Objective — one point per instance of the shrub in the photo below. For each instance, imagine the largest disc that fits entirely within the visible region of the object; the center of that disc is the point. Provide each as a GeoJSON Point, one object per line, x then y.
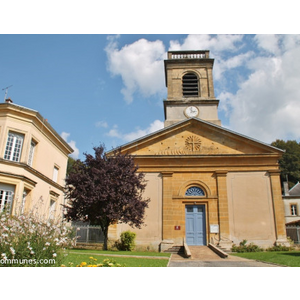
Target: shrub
{"type": "Point", "coordinates": [280, 248]}
{"type": "Point", "coordinates": [245, 248]}
{"type": "Point", "coordinates": [26, 240]}
{"type": "Point", "coordinates": [127, 241]}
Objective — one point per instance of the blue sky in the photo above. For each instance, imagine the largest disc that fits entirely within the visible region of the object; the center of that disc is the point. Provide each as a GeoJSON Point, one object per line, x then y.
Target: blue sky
{"type": "Point", "coordinates": [91, 97]}
{"type": "Point", "coordinates": [98, 88]}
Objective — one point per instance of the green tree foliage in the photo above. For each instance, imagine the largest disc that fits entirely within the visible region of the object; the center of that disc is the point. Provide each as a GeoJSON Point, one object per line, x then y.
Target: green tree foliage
{"type": "Point", "coordinates": [71, 162]}
{"type": "Point", "coordinates": [106, 190]}
{"type": "Point", "coordinates": [290, 161]}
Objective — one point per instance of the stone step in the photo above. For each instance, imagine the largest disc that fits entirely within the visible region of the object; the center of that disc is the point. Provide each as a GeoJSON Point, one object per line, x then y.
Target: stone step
{"type": "Point", "coordinates": [223, 249]}
{"type": "Point", "coordinates": [175, 249]}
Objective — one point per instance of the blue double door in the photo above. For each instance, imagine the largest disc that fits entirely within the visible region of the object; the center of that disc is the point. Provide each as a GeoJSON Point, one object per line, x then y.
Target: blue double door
{"type": "Point", "coordinates": [195, 225]}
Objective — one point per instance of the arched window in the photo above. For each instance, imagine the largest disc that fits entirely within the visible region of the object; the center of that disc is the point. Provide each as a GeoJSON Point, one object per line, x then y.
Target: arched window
{"type": "Point", "coordinates": [190, 85]}
{"type": "Point", "coordinates": [194, 191]}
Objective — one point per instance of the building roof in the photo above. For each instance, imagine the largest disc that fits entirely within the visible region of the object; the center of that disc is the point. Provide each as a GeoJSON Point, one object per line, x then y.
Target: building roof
{"type": "Point", "coordinates": [295, 190]}
{"type": "Point", "coordinates": [9, 106]}
{"type": "Point", "coordinates": [222, 130]}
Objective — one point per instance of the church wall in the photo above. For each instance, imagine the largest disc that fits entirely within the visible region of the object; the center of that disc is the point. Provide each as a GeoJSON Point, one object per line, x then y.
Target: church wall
{"type": "Point", "coordinates": [238, 175]}
{"type": "Point", "coordinates": [175, 201]}
{"type": "Point", "coordinates": [251, 215]}
{"type": "Point", "coordinates": [150, 234]}
{"type": "Point", "coordinates": [238, 199]}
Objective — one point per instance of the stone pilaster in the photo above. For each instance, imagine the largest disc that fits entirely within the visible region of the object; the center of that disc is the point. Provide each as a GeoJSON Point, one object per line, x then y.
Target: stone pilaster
{"type": "Point", "coordinates": [167, 205]}
{"type": "Point", "coordinates": [225, 241]}
{"type": "Point", "coordinates": [278, 207]}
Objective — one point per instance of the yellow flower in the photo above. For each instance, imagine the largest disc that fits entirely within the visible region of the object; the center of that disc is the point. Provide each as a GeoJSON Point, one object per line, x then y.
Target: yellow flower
{"type": "Point", "coordinates": [83, 264]}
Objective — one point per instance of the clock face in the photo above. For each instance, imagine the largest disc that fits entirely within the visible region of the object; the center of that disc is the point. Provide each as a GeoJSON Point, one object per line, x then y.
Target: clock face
{"type": "Point", "coordinates": [191, 111]}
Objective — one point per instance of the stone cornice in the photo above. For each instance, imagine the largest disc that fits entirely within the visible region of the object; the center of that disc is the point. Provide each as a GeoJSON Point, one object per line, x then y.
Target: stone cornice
{"type": "Point", "coordinates": [221, 173]}
{"type": "Point", "coordinates": [32, 171]}
{"type": "Point", "coordinates": [20, 177]}
{"type": "Point", "coordinates": [274, 172]}
{"type": "Point", "coordinates": [29, 115]}
{"type": "Point", "coordinates": [167, 174]}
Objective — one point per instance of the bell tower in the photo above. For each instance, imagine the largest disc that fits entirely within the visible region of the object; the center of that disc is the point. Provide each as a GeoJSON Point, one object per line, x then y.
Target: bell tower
{"type": "Point", "coordinates": [189, 81]}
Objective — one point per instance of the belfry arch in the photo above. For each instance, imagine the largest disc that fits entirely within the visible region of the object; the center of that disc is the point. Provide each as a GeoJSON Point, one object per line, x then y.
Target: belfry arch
{"type": "Point", "coordinates": [190, 85]}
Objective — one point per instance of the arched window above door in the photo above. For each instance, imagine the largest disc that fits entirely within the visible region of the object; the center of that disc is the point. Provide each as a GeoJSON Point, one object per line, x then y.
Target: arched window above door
{"type": "Point", "coordinates": [194, 191]}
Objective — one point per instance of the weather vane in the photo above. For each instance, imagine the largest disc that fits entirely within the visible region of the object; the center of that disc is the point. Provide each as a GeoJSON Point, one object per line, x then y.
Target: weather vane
{"type": "Point", "coordinates": [6, 91]}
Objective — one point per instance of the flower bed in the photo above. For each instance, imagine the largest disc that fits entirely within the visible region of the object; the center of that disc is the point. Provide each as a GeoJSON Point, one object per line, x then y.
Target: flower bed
{"type": "Point", "coordinates": [27, 240]}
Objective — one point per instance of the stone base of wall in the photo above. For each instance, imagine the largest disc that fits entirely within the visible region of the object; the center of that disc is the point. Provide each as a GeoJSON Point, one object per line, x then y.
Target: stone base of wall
{"type": "Point", "coordinates": [165, 245]}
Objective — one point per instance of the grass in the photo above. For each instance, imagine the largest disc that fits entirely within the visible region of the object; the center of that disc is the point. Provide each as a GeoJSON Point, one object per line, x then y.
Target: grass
{"type": "Point", "coordinates": [284, 258]}
{"type": "Point", "coordinates": [129, 259]}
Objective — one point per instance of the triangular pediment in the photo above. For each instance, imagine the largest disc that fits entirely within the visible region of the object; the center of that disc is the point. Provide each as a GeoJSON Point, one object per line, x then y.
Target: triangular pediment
{"type": "Point", "coordinates": [196, 137]}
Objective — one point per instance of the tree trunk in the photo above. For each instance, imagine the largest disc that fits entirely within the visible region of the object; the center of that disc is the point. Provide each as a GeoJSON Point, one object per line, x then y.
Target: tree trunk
{"type": "Point", "coordinates": [105, 233]}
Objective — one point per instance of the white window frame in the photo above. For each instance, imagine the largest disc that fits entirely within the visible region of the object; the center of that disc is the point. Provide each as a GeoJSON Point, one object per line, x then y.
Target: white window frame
{"type": "Point", "coordinates": [55, 173]}
{"type": "Point", "coordinates": [14, 146]}
{"type": "Point", "coordinates": [25, 193]}
{"type": "Point", "coordinates": [6, 199]}
{"type": "Point", "coordinates": [294, 209]}
{"type": "Point", "coordinates": [31, 152]}
{"type": "Point", "coordinates": [52, 209]}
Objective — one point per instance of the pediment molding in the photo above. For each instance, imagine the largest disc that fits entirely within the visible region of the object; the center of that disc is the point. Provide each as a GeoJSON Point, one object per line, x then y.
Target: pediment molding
{"type": "Point", "coordinates": [197, 137]}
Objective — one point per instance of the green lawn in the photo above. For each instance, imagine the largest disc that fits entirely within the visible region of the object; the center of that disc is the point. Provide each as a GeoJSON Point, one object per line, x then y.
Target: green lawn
{"type": "Point", "coordinates": [284, 258]}
{"type": "Point", "coordinates": [138, 259]}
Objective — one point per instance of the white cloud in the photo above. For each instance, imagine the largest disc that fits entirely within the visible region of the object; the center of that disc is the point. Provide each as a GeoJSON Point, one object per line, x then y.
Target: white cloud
{"type": "Point", "coordinates": [102, 124]}
{"type": "Point", "coordinates": [215, 43]}
{"type": "Point", "coordinates": [128, 137]}
{"type": "Point", "coordinates": [114, 132]}
{"type": "Point", "coordinates": [257, 79]}
{"type": "Point", "coordinates": [268, 42]}
{"type": "Point", "coordinates": [65, 135]}
{"type": "Point", "coordinates": [140, 65]}
{"type": "Point", "coordinates": [266, 105]}
{"type": "Point", "coordinates": [72, 144]}
{"type": "Point", "coordinates": [218, 45]}
{"type": "Point", "coordinates": [156, 125]}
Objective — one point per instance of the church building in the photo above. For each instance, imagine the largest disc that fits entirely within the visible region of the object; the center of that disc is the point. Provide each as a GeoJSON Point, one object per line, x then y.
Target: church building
{"type": "Point", "coordinates": [207, 184]}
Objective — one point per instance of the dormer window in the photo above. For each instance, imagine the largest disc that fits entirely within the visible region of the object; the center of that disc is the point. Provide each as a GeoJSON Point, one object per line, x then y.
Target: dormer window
{"type": "Point", "coordinates": [190, 85]}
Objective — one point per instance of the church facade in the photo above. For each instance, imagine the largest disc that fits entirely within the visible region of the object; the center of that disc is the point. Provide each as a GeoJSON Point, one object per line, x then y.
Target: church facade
{"type": "Point", "coordinates": [207, 184]}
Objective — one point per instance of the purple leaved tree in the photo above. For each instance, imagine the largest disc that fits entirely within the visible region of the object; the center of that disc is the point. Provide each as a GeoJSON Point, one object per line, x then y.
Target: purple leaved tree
{"type": "Point", "coordinates": [106, 190]}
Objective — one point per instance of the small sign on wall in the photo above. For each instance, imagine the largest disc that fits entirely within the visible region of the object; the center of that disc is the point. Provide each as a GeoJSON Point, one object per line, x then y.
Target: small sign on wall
{"type": "Point", "coordinates": [214, 228]}
{"type": "Point", "coordinates": [177, 227]}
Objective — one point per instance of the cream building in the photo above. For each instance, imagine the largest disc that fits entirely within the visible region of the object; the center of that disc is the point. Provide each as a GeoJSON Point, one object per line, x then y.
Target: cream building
{"type": "Point", "coordinates": [291, 200]}
{"type": "Point", "coordinates": [33, 162]}
{"type": "Point", "coordinates": [207, 184]}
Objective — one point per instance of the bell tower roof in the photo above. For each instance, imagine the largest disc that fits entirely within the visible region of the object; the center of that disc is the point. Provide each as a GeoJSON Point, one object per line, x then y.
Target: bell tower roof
{"type": "Point", "coordinates": [189, 81]}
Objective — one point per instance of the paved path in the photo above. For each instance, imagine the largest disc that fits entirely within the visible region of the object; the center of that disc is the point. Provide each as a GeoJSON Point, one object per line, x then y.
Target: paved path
{"type": "Point", "coordinates": [202, 256]}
